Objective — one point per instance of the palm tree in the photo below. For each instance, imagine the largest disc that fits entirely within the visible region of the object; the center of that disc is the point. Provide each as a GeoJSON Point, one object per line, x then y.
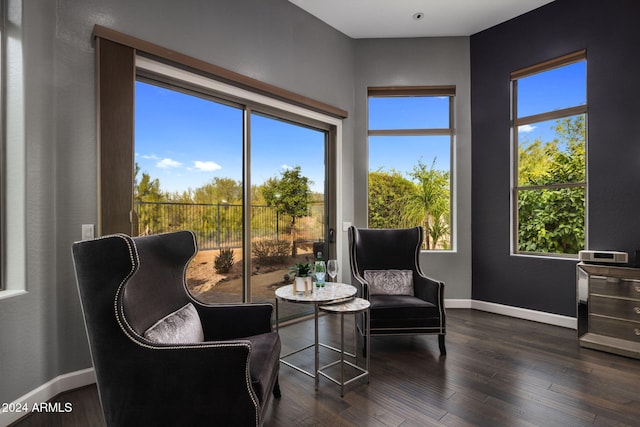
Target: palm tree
{"type": "Point", "coordinates": [428, 203]}
{"type": "Point", "coordinates": [439, 227]}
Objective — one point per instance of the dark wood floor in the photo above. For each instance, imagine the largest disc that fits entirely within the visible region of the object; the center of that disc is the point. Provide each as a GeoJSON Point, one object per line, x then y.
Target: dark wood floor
{"type": "Point", "coordinates": [499, 371]}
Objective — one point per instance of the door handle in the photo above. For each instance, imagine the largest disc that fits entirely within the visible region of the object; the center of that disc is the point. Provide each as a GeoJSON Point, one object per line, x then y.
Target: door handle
{"type": "Point", "coordinates": [332, 235]}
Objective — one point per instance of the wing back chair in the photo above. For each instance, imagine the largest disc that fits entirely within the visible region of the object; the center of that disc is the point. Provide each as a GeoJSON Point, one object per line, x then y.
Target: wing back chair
{"type": "Point", "coordinates": [386, 270]}
{"type": "Point", "coordinates": [160, 356]}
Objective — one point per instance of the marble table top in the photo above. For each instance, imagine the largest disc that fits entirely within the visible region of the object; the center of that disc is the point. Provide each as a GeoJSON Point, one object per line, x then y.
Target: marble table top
{"type": "Point", "coordinates": [355, 305]}
{"type": "Point", "coordinates": [331, 293]}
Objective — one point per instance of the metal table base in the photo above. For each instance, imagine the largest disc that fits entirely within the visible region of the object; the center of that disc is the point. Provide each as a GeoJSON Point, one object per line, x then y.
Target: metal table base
{"type": "Point", "coordinates": [357, 305]}
{"type": "Point", "coordinates": [334, 293]}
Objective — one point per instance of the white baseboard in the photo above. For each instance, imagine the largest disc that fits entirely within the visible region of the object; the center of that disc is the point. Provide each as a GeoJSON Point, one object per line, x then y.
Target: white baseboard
{"type": "Point", "coordinates": [457, 303]}
{"type": "Point", "coordinates": [517, 312]}
{"type": "Point", "coordinates": [524, 313]}
{"type": "Point", "coordinates": [46, 392]}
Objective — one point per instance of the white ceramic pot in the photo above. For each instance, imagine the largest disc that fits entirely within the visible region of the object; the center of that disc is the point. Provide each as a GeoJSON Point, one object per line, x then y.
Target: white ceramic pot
{"type": "Point", "coordinates": [302, 285]}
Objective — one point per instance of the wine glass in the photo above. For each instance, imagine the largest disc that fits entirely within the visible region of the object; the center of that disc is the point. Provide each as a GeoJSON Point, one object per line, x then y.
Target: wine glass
{"type": "Point", "coordinates": [332, 268]}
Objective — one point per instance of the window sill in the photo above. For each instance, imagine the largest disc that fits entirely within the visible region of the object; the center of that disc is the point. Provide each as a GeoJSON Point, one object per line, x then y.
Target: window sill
{"type": "Point", "coordinates": [11, 293]}
{"type": "Point", "coordinates": [554, 257]}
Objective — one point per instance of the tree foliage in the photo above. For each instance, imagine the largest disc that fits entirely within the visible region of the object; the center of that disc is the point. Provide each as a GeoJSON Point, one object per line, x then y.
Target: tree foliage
{"type": "Point", "coordinates": [428, 203]}
{"type": "Point", "coordinates": [219, 190]}
{"type": "Point", "coordinates": [551, 220]}
{"type": "Point", "coordinates": [385, 199]}
{"type": "Point", "coordinates": [290, 195]}
{"type": "Point", "coordinates": [421, 198]}
{"type": "Point", "coordinates": [215, 211]}
{"type": "Point", "coordinates": [147, 190]}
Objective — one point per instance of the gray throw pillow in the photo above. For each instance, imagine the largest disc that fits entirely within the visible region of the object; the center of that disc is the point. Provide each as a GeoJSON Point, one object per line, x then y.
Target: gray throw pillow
{"type": "Point", "coordinates": [180, 327]}
{"type": "Point", "coordinates": [389, 282]}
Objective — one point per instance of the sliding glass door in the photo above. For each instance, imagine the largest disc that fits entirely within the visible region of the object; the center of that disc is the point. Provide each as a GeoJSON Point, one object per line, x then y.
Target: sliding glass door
{"type": "Point", "coordinates": [207, 164]}
{"type": "Point", "coordinates": [288, 210]}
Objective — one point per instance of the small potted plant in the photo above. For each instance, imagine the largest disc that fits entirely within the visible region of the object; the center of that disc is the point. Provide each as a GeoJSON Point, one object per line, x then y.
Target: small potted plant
{"type": "Point", "coordinates": [302, 281]}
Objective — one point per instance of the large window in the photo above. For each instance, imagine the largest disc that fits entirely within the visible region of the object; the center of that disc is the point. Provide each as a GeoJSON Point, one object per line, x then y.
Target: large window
{"type": "Point", "coordinates": [13, 153]}
{"type": "Point", "coordinates": [249, 167]}
{"type": "Point", "coordinates": [549, 157]}
{"type": "Point", "coordinates": [410, 160]}
{"type": "Point", "coordinates": [193, 171]}
{"type": "Point", "coordinates": [2, 149]}
{"type": "Point", "coordinates": [201, 147]}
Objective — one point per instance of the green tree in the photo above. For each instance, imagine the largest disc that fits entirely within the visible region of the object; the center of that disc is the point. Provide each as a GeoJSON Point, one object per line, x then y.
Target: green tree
{"type": "Point", "coordinates": [386, 198]}
{"type": "Point", "coordinates": [290, 195]}
{"type": "Point", "coordinates": [257, 196]}
{"type": "Point", "coordinates": [219, 190]}
{"type": "Point", "coordinates": [439, 230]}
{"type": "Point", "coordinates": [186, 196]}
{"type": "Point", "coordinates": [147, 190]}
{"type": "Point", "coordinates": [533, 161]}
{"type": "Point", "coordinates": [219, 212]}
{"type": "Point", "coordinates": [428, 203]}
{"type": "Point", "coordinates": [551, 220]}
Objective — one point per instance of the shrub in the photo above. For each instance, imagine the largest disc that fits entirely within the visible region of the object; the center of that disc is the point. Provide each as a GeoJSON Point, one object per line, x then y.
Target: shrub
{"type": "Point", "coordinates": [271, 251]}
{"type": "Point", "coordinates": [224, 261]}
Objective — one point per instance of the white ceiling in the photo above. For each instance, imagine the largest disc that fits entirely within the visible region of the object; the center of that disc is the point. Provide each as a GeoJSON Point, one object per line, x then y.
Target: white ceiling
{"type": "Point", "coordinates": [394, 18]}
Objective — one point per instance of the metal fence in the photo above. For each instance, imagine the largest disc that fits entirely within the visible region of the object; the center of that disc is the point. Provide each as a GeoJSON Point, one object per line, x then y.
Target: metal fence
{"type": "Point", "coordinates": [221, 226]}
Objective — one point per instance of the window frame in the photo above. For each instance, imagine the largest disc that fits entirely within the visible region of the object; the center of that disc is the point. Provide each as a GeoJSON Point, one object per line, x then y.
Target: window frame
{"type": "Point", "coordinates": [3, 153]}
{"type": "Point", "coordinates": [516, 122]}
{"type": "Point", "coordinates": [448, 91]}
{"type": "Point", "coordinates": [13, 153]}
{"type": "Point", "coordinates": [171, 76]}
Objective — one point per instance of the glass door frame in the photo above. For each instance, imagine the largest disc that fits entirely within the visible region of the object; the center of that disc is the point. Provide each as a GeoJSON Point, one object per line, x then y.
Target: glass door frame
{"type": "Point", "coordinates": [249, 101]}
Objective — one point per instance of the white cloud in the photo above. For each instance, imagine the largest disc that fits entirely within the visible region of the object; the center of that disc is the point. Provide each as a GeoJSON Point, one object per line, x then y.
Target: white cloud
{"type": "Point", "coordinates": [147, 156]}
{"type": "Point", "coordinates": [286, 167]}
{"type": "Point", "coordinates": [526, 128]}
{"type": "Point", "coordinates": [207, 166]}
{"type": "Point", "coordinates": [168, 163]}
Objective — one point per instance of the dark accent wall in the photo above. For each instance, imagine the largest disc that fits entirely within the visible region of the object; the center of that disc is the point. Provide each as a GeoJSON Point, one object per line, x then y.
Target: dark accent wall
{"type": "Point", "coordinates": [608, 30]}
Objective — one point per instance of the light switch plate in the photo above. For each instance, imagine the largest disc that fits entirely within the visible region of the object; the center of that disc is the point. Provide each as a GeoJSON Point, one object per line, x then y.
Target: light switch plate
{"type": "Point", "coordinates": [87, 232]}
{"type": "Point", "coordinates": [346, 225]}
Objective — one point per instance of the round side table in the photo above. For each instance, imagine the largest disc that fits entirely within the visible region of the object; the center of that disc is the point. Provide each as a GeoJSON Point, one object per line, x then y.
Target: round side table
{"type": "Point", "coordinates": [355, 306]}
{"type": "Point", "coordinates": [331, 293]}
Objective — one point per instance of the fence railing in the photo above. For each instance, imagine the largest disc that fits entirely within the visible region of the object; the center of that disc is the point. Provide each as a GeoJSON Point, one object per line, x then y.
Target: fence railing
{"type": "Point", "coordinates": [221, 226]}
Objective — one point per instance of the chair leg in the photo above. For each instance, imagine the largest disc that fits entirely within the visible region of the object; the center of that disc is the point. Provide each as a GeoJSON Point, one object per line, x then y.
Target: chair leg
{"type": "Point", "coordinates": [364, 346]}
{"type": "Point", "coordinates": [443, 349]}
{"type": "Point", "coordinates": [276, 389]}
{"type": "Point", "coordinates": [363, 332]}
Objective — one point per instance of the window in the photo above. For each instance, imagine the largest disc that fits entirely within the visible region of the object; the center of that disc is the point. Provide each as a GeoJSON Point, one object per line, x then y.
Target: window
{"type": "Point", "coordinates": [13, 153]}
{"type": "Point", "coordinates": [2, 148]}
{"type": "Point", "coordinates": [410, 160]}
{"type": "Point", "coordinates": [549, 157]}
{"type": "Point", "coordinates": [189, 173]}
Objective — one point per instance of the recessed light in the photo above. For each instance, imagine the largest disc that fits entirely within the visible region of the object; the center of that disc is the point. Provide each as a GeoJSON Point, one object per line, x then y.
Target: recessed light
{"type": "Point", "coordinates": [418, 16]}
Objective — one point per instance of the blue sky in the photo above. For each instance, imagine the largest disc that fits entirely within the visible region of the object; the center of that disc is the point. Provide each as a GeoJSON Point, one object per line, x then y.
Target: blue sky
{"type": "Point", "coordinates": [402, 153]}
{"type": "Point", "coordinates": [186, 141]}
{"type": "Point", "coordinates": [552, 90]}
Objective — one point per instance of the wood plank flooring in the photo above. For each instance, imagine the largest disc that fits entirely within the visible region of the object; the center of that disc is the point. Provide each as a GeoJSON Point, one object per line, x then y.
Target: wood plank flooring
{"type": "Point", "coordinates": [499, 371]}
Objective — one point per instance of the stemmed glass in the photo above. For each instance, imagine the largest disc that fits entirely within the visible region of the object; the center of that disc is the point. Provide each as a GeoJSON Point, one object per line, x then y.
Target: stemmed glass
{"type": "Point", "coordinates": [332, 268]}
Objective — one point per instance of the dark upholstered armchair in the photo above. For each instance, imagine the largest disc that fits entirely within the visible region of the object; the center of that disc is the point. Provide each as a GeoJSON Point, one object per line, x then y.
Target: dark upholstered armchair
{"type": "Point", "coordinates": [386, 271]}
{"type": "Point", "coordinates": [161, 357]}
